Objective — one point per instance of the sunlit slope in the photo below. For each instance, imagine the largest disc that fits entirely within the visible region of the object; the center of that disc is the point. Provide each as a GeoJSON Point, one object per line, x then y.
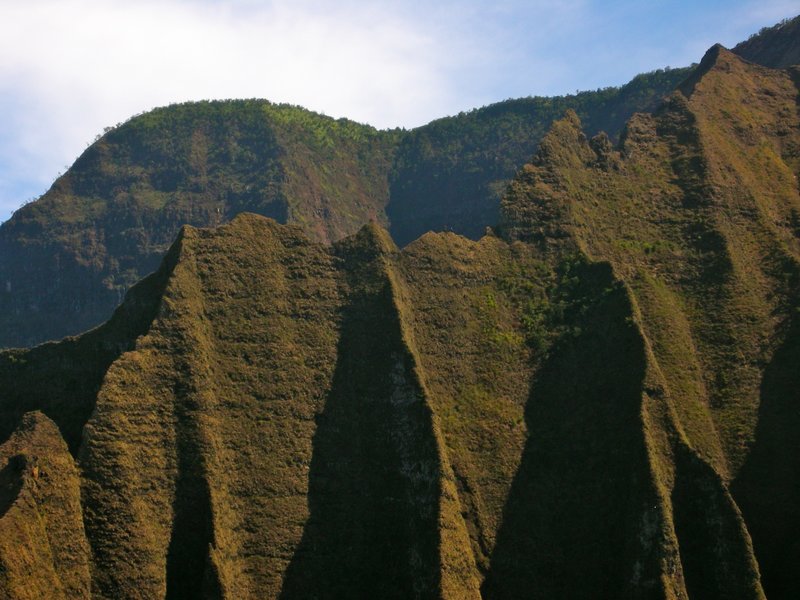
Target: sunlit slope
{"type": "Point", "coordinates": [697, 213]}
{"type": "Point", "coordinates": [67, 259]}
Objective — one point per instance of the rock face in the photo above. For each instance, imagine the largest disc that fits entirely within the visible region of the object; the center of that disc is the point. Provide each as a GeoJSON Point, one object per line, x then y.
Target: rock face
{"type": "Point", "coordinates": [67, 259]}
{"type": "Point", "coordinates": [597, 399]}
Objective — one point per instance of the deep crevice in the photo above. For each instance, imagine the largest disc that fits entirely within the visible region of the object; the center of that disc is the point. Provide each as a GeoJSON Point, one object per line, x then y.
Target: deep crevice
{"type": "Point", "coordinates": [192, 526]}
{"type": "Point", "coordinates": [375, 481]}
{"type": "Point", "coordinates": [767, 487]}
{"type": "Point", "coordinates": [582, 480]}
{"type": "Point", "coordinates": [713, 550]}
{"type": "Point", "coordinates": [11, 482]}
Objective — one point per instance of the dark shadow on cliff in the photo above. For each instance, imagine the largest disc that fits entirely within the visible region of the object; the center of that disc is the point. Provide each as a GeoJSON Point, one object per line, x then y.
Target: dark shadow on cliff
{"type": "Point", "coordinates": [192, 528]}
{"type": "Point", "coordinates": [374, 478]}
{"type": "Point", "coordinates": [713, 550]}
{"type": "Point", "coordinates": [767, 488]}
{"type": "Point", "coordinates": [11, 482]}
{"type": "Point", "coordinates": [577, 497]}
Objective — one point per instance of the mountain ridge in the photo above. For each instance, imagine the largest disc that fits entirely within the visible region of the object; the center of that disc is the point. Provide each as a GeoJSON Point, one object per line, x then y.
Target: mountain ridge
{"type": "Point", "coordinates": [69, 256]}
{"type": "Point", "coordinates": [597, 397]}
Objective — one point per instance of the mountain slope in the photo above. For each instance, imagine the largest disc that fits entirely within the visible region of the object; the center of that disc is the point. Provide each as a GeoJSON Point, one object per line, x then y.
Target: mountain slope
{"type": "Point", "coordinates": [777, 46]}
{"type": "Point", "coordinates": [541, 413]}
{"type": "Point", "coordinates": [67, 259]}
{"type": "Point", "coordinates": [597, 398]}
{"type": "Point", "coordinates": [450, 174]}
{"type": "Point", "coordinates": [323, 437]}
{"type": "Point", "coordinates": [697, 213]}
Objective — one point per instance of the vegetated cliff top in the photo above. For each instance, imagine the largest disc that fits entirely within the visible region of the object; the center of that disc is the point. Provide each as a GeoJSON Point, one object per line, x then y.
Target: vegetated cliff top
{"type": "Point", "coordinates": [777, 46]}
{"type": "Point", "coordinates": [69, 257]}
{"type": "Point", "coordinates": [599, 399]}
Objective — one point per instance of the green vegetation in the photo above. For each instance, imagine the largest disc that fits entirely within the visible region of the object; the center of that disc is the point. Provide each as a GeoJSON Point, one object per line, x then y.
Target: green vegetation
{"type": "Point", "coordinates": [775, 46]}
{"type": "Point", "coordinates": [71, 255]}
{"type": "Point", "coordinates": [693, 212]}
{"type": "Point", "coordinates": [598, 398]}
{"type": "Point", "coordinates": [109, 220]}
{"type": "Point", "coordinates": [450, 174]}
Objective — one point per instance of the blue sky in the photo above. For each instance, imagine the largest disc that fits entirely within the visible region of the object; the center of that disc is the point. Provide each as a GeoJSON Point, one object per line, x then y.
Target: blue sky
{"type": "Point", "coordinates": [69, 68]}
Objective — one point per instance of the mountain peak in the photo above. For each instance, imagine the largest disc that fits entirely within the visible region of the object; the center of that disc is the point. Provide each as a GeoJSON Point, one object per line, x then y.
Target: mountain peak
{"type": "Point", "coordinates": [716, 57]}
{"type": "Point", "coordinates": [565, 143]}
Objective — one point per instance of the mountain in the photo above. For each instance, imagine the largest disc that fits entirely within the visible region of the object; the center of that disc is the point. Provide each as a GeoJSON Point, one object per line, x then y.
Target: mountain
{"type": "Point", "coordinates": [598, 398]}
{"type": "Point", "coordinates": [67, 259]}
{"type": "Point", "coordinates": [777, 46]}
{"type": "Point", "coordinates": [697, 211]}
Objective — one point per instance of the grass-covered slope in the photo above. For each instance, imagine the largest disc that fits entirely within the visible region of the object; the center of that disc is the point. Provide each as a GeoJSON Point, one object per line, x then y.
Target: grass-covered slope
{"type": "Point", "coordinates": [67, 259]}
{"type": "Point", "coordinates": [598, 399]}
{"type": "Point", "coordinates": [354, 421]}
{"type": "Point", "coordinates": [696, 212]}
{"type": "Point", "coordinates": [459, 419]}
{"type": "Point", "coordinates": [267, 434]}
{"type": "Point", "coordinates": [43, 547]}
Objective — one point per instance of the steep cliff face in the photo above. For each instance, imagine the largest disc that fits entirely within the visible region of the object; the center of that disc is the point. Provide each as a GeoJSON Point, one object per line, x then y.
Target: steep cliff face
{"type": "Point", "coordinates": [450, 174]}
{"type": "Point", "coordinates": [67, 259]}
{"type": "Point", "coordinates": [598, 399]}
{"type": "Point", "coordinates": [539, 413]}
{"type": "Point", "coordinates": [267, 434]}
{"type": "Point", "coordinates": [294, 420]}
{"type": "Point", "coordinates": [696, 214]}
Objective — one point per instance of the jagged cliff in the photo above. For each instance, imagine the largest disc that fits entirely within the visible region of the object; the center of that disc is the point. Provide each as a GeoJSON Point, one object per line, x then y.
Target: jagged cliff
{"type": "Point", "coordinates": [67, 259]}
{"type": "Point", "coordinates": [303, 421]}
{"type": "Point", "coordinates": [696, 212]}
{"type": "Point", "coordinates": [599, 398]}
